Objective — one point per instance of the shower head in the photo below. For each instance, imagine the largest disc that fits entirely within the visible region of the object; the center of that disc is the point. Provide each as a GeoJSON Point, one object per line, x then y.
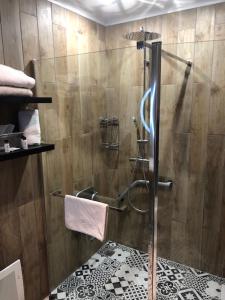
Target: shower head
{"type": "Point", "coordinates": [142, 36]}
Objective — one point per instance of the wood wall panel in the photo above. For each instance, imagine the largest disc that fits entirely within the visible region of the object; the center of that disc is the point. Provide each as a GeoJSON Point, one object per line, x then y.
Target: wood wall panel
{"type": "Point", "coordinates": [184, 72]}
{"type": "Point", "coordinates": [203, 61]}
{"type": "Point", "coordinates": [217, 110]}
{"type": "Point", "coordinates": [47, 70]}
{"type": "Point", "coordinates": [1, 48]}
{"type": "Point", "coordinates": [169, 28]}
{"type": "Point", "coordinates": [31, 227]}
{"type": "Point", "coordinates": [22, 232]}
{"type": "Point", "coordinates": [29, 7]}
{"type": "Point", "coordinates": [205, 23]}
{"type": "Point", "coordinates": [181, 157]}
{"type": "Point", "coordinates": [214, 207]}
{"type": "Point", "coordinates": [59, 15]}
{"type": "Point", "coordinates": [22, 211]}
{"type": "Point", "coordinates": [186, 26]}
{"type": "Point", "coordinates": [72, 33]}
{"type": "Point", "coordinates": [218, 69]}
{"type": "Point", "coordinates": [31, 262]}
{"type": "Point", "coordinates": [59, 36]}
{"type": "Point", "coordinates": [87, 82]}
{"type": "Point", "coordinates": [169, 66]}
{"type": "Point", "coordinates": [191, 130]}
{"type": "Point", "coordinates": [11, 33]}
{"type": "Point", "coordinates": [155, 23]}
{"type": "Point", "coordinates": [219, 22]}
{"type": "Point", "coordinates": [30, 41]}
{"type": "Point", "coordinates": [45, 29]}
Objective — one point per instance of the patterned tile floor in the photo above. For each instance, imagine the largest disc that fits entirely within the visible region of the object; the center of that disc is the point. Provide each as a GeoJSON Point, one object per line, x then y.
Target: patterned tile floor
{"type": "Point", "coordinates": [117, 272]}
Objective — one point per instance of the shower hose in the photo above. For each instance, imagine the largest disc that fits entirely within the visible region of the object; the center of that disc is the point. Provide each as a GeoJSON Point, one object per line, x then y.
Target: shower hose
{"type": "Point", "coordinates": [147, 128]}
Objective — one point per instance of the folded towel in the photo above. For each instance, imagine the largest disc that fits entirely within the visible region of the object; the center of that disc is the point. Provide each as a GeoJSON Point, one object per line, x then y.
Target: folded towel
{"type": "Point", "coordinates": [8, 90]}
{"type": "Point", "coordinates": [15, 78]}
{"type": "Point", "coordinates": [86, 216]}
{"type": "Point", "coordinates": [29, 124]}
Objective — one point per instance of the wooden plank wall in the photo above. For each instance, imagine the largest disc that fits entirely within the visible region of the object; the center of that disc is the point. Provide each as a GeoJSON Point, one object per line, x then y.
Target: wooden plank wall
{"type": "Point", "coordinates": [22, 214]}
{"type": "Point", "coordinates": [192, 130]}
{"type": "Point", "coordinates": [71, 70]}
{"type": "Point", "coordinates": [80, 77]}
{"type": "Point", "coordinates": [36, 29]}
{"type": "Point", "coordinates": [91, 72]}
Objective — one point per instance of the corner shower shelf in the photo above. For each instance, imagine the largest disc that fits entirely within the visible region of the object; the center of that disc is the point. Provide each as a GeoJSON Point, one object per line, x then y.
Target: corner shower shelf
{"type": "Point", "coordinates": [31, 150]}
{"type": "Point", "coordinates": [24, 99]}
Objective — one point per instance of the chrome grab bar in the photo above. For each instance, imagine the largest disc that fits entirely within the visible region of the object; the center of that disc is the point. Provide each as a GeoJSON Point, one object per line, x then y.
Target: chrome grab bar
{"type": "Point", "coordinates": [89, 191]}
{"type": "Point", "coordinates": [59, 194]}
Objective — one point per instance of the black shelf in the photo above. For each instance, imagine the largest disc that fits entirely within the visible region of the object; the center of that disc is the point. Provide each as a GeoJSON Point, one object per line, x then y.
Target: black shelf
{"type": "Point", "coordinates": [24, 99]}
{"type": "Point", "coordinates": [31, 150]}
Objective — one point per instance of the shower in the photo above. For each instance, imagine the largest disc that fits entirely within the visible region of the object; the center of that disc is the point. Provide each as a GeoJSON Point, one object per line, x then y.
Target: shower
{"type": "Point", "coordinates": [125, 143]}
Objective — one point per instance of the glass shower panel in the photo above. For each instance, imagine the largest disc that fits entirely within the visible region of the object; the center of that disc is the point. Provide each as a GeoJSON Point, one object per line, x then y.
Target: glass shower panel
{"type": "Point", "coordinates": [96, 103]}
{"type": "Point", "coordinates": [101, 151]}
{"type": "Point", "coordinates": [190, 231]}
{"type": "Point", "coordinates": [111, 86]}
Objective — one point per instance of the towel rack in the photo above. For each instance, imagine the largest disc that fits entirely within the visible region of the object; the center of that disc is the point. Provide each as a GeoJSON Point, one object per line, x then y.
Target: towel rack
{"type": "Point", "coordinates": [59, 194]}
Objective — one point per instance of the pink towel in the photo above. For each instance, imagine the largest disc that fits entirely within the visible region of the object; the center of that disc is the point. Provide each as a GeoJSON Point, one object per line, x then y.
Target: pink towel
{"type": "Point", "coordinates": [86, 216]}
{"type": "Point", "coordinates": [16, 78]}
{"type": "Point", "coordinates": [12, 91]}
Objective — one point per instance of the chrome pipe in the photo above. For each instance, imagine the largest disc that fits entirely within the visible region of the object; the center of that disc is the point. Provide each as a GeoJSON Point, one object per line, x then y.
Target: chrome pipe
{"type": "Point", "coordinates": [187, 62]}
{"type": "Point", "coordinates": [154, 158]}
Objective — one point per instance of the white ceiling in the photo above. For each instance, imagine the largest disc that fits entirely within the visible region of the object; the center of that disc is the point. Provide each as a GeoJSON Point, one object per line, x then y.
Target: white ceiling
{"type": "Point", "coordinates": [109, 12]}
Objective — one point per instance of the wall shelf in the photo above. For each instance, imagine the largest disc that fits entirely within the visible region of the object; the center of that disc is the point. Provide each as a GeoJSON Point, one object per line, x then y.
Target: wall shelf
{"type": "Point", "coordinates": [24, 99]}
{"type": "Point", "coordinates": [31, 150]}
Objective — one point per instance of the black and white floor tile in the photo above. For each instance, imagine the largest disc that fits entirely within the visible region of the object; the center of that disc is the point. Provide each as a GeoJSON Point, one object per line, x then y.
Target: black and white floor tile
{"type": "Point", "coordinates": [117, 272]}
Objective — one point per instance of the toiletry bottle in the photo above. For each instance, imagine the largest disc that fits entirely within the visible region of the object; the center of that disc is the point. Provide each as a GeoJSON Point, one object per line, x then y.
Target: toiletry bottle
{"type": "Point", "coordinates": [6, 146]}
{"type": "Point", "coordinates": [24, 143]}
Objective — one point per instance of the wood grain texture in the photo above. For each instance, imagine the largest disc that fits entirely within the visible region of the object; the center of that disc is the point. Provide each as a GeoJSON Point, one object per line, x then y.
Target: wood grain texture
{"type": "Point", "coordinates": [203, 61]}
{"type": "Point", "coordinates": [220, 22]}
{"type": "Point", "coordinates": [59, 15]}
{"type": "Point", "coordinates": [59, 36]}
{"type": "Point", "coordinates": [218, 69]}
{"type": "Point", "coordinates": [186, 26]}
{"type": "Point", "coordinates": [45, 29]}
{"type": "Point", "coordinates": [192, 114]}
{"type": "Point", "coordinates": [29, 7]}
{"type": "Point", "coordinates": [86, 83]}
{"type": "Point", "coordinates": [72, 21]}
{"type": "Point", "coordinates": [213, 202]}
{"type": "Point", "coordinates": [1, 48]}
{"type": "Point", "coordinates": [217, 111]}
{"type": "Point", "coordinates": [205, 23]}
{"type": "Point", "coordinates": [169, 28]}
{"type": "Point", "coordinates": [11, 34]}
{"type": "Point", "coordinates": [22, 226]}
{"type": "Point", "coordinates": [30, 41]}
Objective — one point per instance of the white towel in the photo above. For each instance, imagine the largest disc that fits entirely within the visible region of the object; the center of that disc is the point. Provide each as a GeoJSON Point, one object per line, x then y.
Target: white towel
{"type": "Point", "coordinates": [86, 216]}
{"type": "Point", "coordinates": [8, 90]}
{"type": "Point", "coordinates": [29, 124]}
{"type": "Point", "coordinates": [15, 78]}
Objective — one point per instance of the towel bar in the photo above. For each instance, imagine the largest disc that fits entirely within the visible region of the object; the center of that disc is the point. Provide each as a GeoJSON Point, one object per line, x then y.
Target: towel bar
{"type": "Point", "coordinates": [60, 195]}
